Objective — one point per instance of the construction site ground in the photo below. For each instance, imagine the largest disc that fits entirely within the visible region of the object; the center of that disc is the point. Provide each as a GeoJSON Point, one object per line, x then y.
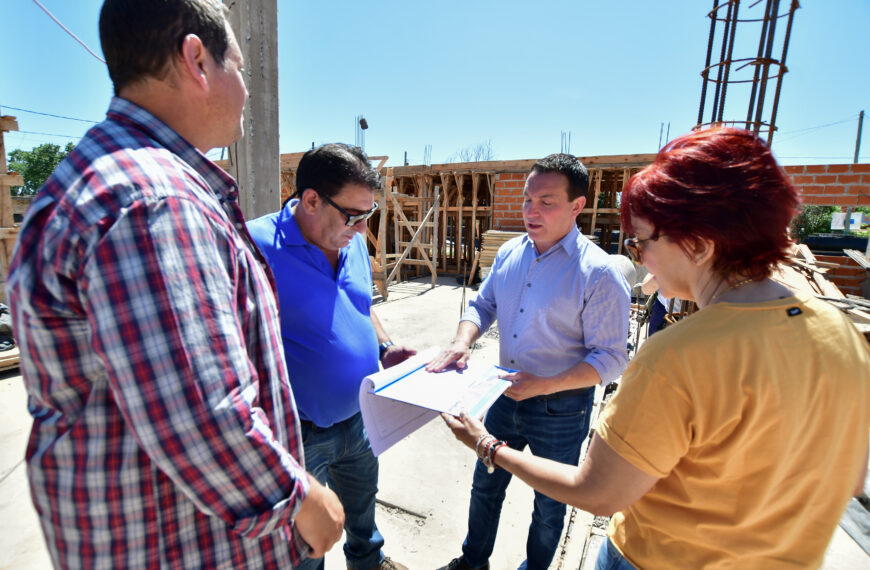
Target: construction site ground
{"type": "Point", "coordinates": [425, 479]}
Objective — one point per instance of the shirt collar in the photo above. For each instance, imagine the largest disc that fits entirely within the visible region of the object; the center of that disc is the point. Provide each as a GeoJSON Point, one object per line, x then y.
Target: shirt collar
{"type": "Point", "coordinates": [126, 112]}
{"type": "Point", "coordinates": [570, 243]}
{"type": "Point", "coordinates": [288, 227]}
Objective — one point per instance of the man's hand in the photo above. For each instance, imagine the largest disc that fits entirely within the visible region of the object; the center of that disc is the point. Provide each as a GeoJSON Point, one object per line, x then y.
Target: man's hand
{"type": "Point", "coordinates": [457, 352]}
{"type": "Point", "coordinates": [320, 520]}
{"type": "Point", "coordinates": [524, 385]}
{"type": "Point", "coordinates": [396, 354]}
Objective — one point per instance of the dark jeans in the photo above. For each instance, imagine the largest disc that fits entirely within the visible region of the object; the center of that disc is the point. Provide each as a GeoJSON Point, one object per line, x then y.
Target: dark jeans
{"type": "Point", "coordinates": [340, 456]}
{"type": "Point", "coordinates": [609, 558]}
{"type": "Point", "coordinates": [552, 427]}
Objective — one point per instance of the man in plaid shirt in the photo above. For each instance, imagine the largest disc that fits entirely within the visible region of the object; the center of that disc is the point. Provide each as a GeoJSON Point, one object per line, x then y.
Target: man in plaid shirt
{"type": "Point", "coordinates": [165, 432]}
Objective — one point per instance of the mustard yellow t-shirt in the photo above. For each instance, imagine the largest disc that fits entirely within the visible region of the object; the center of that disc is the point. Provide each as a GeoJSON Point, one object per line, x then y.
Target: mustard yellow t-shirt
{"type": "Point", "coordinates": [755, 417]}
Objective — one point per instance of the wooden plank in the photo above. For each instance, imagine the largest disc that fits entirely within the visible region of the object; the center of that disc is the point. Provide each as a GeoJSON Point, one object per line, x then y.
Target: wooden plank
{"type": "Point", "coordinates": [8, 123]}
{"type": "Point", "coordinates": [858, 257]}
{"type": "Point", "coordinates": [11, 180]}
{"type": "Point", "coordinates": [8, 233]}
{"type": "Point", "coordinates": [9, 358]}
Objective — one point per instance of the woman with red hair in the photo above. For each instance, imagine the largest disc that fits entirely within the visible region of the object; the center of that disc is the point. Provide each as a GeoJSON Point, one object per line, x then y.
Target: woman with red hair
{"type": "Point", "coordinates": [737, 435]}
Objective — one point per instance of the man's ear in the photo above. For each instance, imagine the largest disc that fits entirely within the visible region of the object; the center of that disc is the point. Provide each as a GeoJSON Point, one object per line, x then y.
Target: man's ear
{"type": "Point", "coordinates": [193, 60]}
{"type": "Point", "coordinates": [577, 205]}
{"type": "Point", "coordinates": [309, 199]}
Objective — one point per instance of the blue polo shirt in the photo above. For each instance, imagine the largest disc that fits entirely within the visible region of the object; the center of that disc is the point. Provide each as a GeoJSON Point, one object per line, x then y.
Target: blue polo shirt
{"type": "Point", "coordinates": [329, 340]}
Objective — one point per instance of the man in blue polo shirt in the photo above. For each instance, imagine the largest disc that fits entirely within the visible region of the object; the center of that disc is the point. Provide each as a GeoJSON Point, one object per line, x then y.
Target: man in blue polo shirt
{"type": "Point", "coordinates": [332, 338]}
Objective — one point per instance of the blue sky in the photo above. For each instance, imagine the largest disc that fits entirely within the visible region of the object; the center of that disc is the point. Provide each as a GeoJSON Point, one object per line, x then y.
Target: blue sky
{"type": "Point", "coordinates": [451, 74]}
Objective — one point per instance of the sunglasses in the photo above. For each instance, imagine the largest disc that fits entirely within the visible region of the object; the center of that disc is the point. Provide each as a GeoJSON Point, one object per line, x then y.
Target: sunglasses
{"type": "Point", "coordinates": [635, 246]}
{"type": "Point", "coordinates": [352, 219]}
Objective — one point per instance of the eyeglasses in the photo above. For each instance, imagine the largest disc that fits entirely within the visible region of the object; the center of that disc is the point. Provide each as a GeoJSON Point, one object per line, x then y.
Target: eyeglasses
{"type": "Point", "coordinates": [352, 219]}
{"type": "Point", "coordinates": [635, 248]}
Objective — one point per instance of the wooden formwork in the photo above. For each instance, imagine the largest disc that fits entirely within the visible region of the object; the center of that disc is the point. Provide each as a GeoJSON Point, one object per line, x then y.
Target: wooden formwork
{"type": "Point", "coordinates": [466, 197]}
{"type": "Point", "coordinates": [600, 217]}
{"type": "Point", "coordinates": [8, 229]}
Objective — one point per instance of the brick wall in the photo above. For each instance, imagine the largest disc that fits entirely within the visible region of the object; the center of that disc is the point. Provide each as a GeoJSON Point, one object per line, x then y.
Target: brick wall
{"type": "Point", "coordinates": [508, 201]}
{"type": "Point", "coordinates": [833, 184]}
{"type": "Point", "coordinates": [836, 185]}
{"type": "Point", "coordinates": [848, 276]}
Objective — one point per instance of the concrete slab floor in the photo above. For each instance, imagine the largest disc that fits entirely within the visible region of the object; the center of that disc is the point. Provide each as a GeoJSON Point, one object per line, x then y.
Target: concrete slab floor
{"type": "Point", "coordinates": [425, 479]}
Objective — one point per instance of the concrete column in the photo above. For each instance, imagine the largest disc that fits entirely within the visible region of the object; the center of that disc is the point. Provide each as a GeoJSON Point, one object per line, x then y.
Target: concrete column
{"type": "Point", "coordinates": [255, 160]}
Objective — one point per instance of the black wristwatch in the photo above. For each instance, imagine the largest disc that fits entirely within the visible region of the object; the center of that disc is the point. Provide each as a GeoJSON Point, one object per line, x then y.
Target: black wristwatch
{"type": "Point", "coordinates": [382, 348]}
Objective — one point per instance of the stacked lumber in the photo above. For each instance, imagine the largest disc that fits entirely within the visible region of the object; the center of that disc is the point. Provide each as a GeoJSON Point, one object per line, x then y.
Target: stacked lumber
{"type": "Point", "coordinates": [492, 240]}
{"type": "Point", "coordinates": [803, 272]}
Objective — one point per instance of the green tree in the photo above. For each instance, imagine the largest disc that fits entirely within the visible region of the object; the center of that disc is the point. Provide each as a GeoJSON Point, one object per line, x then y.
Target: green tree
{"type": "Point", "coordinates": [36, 165]}
{"type": "Point", "coordinates": [812, 220]}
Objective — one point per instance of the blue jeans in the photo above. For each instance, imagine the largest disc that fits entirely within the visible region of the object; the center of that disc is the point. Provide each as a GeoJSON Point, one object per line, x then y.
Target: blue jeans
{"type": "Point", "coordinates": [553, 428]}
{"type": "Point", "coordinates": [609, 558]}
{"type": "Point", "coordinates": [341, 457]}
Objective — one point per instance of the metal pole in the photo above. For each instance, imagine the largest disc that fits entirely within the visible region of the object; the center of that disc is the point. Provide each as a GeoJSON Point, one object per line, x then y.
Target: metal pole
{"type": "Point", "coordinates": [858, 136]}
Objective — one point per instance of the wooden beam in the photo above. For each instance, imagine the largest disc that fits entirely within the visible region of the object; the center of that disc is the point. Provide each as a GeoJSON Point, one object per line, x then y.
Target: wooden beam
{"type": "Point", "coordinates": [11, 180]}
{"type": "Point", "coordinates": [8, 123]}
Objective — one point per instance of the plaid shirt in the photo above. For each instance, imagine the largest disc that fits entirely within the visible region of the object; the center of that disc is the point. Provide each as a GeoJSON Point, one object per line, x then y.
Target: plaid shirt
{"type": "Point", "coordinates": [165, 433]}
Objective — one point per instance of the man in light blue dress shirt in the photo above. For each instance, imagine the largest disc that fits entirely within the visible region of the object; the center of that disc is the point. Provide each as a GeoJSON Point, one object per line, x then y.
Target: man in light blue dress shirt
{"type": "Point", "coordinates": [563, 309]}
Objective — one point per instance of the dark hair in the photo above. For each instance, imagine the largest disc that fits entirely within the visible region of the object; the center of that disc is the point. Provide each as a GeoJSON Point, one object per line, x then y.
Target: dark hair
{"type": "Point", "coordinates": [570, 168]}
{"type": "Point", "coordinates": [141, 37]}
{"type": "Point", "coordinates": [721, 184]}
{"type": "Point", "coordinates": [328, 168]}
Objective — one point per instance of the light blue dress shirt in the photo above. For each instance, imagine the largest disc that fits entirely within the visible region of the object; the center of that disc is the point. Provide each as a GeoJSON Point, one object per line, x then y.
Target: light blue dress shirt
{"type": "Point", "coordinates": [555, 310]}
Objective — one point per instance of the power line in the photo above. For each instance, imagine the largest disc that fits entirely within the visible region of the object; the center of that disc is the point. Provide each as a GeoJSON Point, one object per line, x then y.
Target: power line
{"type": "Point", "coordinates": [48, 114]}
{"type": "Point", "coordinates": [75, 37]}
{"type": "Point", "coordinates": [807, 130]}
{"type": "Point", "coordinates": [44, 134]}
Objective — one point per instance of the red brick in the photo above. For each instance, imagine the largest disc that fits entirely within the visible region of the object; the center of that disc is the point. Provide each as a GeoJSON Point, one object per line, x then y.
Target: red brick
{"type": "Point", "coordinates": [861, 168]}
{"type": "Point", "coordinates": [835, 189]}
{"type": "Point", "coordinates": [839, 168]}
{"type": "Point", "coordinates": [864, 200]}
{"type": "Point", "coordinates": [813, 190]}
{"type": "Point", "coordinates": [845, 200]}
{"type": "Point", "coordinates": [848, 178]}
{"type": "Point", "coordinates": [826, 179]}
{"type": "Point", "coordinates": [859, 189]}
{"type": "Point", "coordinates": [865, 179]}
{"type": "Point", "coordinates": [823, 200]}
{"type": "Point", "coordinates": [803, 179]}
{"type": "Point", "coordinates": [814, 168]}
{"type": "Point", "coordinates": [794, 169]}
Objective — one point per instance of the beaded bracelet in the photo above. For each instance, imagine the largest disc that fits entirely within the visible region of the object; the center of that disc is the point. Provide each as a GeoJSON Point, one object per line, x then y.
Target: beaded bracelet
{"type": "Point", "coordinates": [489, 453]}
{"type": "Point", "coordinates": [477, 445]}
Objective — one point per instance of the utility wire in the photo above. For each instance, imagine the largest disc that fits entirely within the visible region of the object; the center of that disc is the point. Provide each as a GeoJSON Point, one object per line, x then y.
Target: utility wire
{"type": "Point", "coordinates": [48, 114]}
{"type": "Point", "coordinates": [799, 132]}
{"type": "Point", "coordinates": [75, 37]}
{"type": "Point", "coordinates": [45, 134]}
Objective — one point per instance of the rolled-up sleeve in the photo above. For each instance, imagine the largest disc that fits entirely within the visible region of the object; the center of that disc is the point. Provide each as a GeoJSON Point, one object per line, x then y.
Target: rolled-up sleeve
{"type": "Point", "coordinates": [605, 323]}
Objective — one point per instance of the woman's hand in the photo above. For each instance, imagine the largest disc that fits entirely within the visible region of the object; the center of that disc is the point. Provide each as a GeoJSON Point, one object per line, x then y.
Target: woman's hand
{"type": "Point", "coordinates": [466, 428]}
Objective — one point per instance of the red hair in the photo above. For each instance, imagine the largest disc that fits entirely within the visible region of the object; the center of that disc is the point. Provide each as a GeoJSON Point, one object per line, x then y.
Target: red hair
{"type": "Point", "coordinates": [721, 184]}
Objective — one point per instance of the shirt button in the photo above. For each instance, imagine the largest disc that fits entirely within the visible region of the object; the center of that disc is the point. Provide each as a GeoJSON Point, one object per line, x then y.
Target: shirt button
{"type": "Point", "coordinates": [521, 310]}
{"type": "Point", "coordinates": [238, 225]}
{"type": "Point", "coordinates": [512, 361]}
{"type": "Point", "coordinates": [515, 336]}
{"type": "Point", "coordinates": [528, 284]}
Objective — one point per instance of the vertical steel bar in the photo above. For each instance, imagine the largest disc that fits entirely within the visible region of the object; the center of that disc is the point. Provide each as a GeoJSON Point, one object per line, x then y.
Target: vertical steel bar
{"type": "Point", "coordinates": [782, 70]}
{"type": "Point", "coordinates": [704, 74]}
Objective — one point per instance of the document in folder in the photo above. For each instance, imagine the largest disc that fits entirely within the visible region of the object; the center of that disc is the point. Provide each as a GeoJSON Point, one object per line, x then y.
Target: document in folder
{"type": "Point", "coordinates": [396, 401]}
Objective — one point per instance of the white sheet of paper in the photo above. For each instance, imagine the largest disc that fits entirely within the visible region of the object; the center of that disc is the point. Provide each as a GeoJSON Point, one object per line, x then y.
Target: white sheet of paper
{"type": "Point", "coordinates": [399, 400]}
